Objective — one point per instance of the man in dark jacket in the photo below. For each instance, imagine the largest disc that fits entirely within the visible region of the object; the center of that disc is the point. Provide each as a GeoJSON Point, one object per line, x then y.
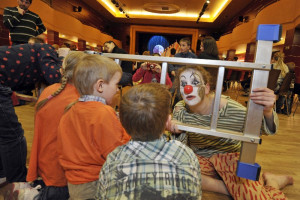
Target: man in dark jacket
{"type": "Point", "coordinates": [21, 67]}
{"type": "Point", "coordinates": [111, 47]}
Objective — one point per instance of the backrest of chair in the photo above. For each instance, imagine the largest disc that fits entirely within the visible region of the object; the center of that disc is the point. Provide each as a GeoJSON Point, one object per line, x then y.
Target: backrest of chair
{"type": "Point", "coordinates": [235, 75]}
{"type": "Point", "coordinates": [273, 77]}
{"type": "Point", "coordinates": [297, 74]}
{"type": "Point", "coordinates": [285, 86]}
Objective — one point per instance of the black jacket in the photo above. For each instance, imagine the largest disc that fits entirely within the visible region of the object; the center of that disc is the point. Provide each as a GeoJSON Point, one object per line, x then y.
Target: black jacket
{"type": "Point", "coordinates": [126, 65]}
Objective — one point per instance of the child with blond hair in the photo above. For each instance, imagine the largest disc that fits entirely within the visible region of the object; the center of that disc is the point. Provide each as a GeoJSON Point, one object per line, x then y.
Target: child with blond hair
{"type": "Point", "coordinates": [49, 109]}
{"type": "Point", "coordinates": [90, 128]}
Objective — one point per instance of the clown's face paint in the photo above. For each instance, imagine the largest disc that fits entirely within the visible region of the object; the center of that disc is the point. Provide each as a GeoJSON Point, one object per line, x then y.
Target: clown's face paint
{"type": "Point", "coordinates": [192, 87]}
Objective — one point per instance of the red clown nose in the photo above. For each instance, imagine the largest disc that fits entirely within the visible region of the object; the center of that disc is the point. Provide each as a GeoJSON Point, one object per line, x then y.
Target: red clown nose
{"type": "Point", "coordinates": [188, 89]}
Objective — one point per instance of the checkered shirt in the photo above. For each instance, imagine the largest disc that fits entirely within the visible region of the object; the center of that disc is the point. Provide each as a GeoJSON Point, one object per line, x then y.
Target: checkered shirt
{"type": "Point", "coordinates": [158, 169]}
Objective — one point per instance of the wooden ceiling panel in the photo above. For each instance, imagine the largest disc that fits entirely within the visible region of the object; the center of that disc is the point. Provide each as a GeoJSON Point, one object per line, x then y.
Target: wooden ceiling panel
{"type": "Point", "coordinates": [95, 14]}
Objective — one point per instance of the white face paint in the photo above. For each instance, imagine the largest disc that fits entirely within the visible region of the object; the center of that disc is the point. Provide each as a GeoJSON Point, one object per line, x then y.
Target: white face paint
{"type": "Point", "coordinates": [192, 79]}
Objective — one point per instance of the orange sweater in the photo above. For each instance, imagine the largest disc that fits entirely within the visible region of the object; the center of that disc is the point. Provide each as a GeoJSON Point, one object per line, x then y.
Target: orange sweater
{"type": "Point", "coordinates": [44, 158]}
{"type": "Point", "coordinates": [88, 132]}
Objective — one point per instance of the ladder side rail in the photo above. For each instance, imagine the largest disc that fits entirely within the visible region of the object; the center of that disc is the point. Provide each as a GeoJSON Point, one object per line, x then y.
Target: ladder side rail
{"type": "Point", "coordinates": [255, 111]}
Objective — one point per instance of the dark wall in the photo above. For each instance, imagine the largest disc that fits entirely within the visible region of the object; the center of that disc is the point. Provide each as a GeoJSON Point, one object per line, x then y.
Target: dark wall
{"type": "Point", "coordinates": [4, 33]}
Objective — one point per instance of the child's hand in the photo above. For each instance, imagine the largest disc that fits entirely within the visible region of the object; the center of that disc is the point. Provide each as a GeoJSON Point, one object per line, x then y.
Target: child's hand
{"type": "Point", "coordinates": [172, 127]}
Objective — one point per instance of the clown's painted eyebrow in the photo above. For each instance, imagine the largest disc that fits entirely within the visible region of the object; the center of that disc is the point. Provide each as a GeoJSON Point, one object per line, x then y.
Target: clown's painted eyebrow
{"type": "Point", "coordinates": [196, 76]}
{"type": "Point", "coordinates": [182, 76]}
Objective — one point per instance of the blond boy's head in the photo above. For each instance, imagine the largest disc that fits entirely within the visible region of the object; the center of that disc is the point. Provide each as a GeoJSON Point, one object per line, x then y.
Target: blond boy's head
{"type": "Point", "coordinates": [144, 111]}
{"type": "Point", "coordinates": [97, 75]}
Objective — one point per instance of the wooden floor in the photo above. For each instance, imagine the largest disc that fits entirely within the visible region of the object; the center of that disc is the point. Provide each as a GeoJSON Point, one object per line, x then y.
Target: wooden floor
{"type": "Point", "coordinates": [278, 154]}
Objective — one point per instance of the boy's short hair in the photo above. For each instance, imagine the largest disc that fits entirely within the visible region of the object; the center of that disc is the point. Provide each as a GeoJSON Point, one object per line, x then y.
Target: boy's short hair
{"type": "Point", "coordinates": [90, 69]}
{"type": "Point", "coordinates": [186, 40]}
{"type": "Point", "coordinates": [37, 39]}
{"type": "Point", "coordinates": [144, 111]}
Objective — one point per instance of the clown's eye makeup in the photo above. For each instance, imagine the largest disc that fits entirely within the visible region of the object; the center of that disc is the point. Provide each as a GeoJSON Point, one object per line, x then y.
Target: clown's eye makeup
{"type": "Point", "coordinates": [183, 83]}
{"type": "Point", "coordinates": [195, 82]}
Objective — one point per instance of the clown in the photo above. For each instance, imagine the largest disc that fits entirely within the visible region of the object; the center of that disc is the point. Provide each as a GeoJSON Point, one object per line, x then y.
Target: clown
{"type": "Point", "coordinates": [218, 156]}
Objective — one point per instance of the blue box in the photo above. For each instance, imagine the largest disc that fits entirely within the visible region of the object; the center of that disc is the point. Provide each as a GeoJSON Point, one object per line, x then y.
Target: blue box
{"type": "Point", "coordinates": [248, 171]}
{"type": "Point", "coordinates": [269, 32]}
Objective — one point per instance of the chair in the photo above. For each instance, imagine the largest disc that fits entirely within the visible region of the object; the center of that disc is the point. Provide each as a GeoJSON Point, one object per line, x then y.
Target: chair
{"type": "Point", "coordinates": [285, 87]}
{"type": "Point", "coordinates": [297, 91]}
{"type": "Point", "coordinates": [273, 77]}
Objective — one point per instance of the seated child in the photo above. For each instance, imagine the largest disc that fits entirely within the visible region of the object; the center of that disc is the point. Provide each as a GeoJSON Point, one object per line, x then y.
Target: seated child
{"type": "Point", "coordinates": [150, 72]}
{"type": "Point", "coordinates": [90, 128]}
{"type": "Point", "coordinates": [149, 166]}
{"type": "Point", "coordinates": [49, 109]}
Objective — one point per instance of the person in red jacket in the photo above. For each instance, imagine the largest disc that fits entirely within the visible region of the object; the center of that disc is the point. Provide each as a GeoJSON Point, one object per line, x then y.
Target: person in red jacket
{"type": "Point", "coordinates": [90, 128]}
{"type": "Point", "coordinates": [49, 109]}
{"type": "Point", "coordinates": [150, 72]}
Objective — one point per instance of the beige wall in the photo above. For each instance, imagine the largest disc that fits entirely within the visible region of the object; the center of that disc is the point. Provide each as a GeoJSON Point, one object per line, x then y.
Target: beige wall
{"type": "Point", "coordinates": [284, 12]}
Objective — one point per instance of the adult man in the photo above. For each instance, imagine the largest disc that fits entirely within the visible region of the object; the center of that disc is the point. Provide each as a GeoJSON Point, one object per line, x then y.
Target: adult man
{"type": "Point", "coordinates": [111, 47]}
{"type": "Point", "coordinates": [22, 23]}
{"type": "Point", "coordinates": [21, 67]}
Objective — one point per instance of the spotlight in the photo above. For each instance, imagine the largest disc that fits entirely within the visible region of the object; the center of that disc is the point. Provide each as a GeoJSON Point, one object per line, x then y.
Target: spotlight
{"type": "Point", "coordinates": [121, 9]}
{"type": "Point", "coordinates": [207, 1]}
{"type": "Point", "coordinates": [77, 8]}
{"type": "Point", "coordinates": [113, 1]}
{"type": "Point", "coordinates": [117, 4]}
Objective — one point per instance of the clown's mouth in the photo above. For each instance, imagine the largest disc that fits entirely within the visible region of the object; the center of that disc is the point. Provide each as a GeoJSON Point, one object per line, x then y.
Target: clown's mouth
{"type": "Point", "coordinates": [190, 97]}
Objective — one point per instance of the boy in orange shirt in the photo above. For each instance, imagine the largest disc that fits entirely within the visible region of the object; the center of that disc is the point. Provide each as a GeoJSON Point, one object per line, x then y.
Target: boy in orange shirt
{"type": "Point", "coordinates": [90, 129]}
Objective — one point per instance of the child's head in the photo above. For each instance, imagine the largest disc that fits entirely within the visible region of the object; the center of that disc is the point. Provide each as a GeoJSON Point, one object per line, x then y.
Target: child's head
{"type": "Point", "coordinates": [193, 83]}
{"type": "Point", "coordinates": [69, 64]}
{"type": "Point", "coordinates": [97, 75]}
{"type": "Point", "coordinates": [185, 45]}
{"type": "Point", "coordinates": [37, 39]}
{"type": "Point", "coordinates": [144, 111]}
{"type": "Point", "coordinates": [67, 69]}
{"type": "Point", "coordinates": [209, 46]}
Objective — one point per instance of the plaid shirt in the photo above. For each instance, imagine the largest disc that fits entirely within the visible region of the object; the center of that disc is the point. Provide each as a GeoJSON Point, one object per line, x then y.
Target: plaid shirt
{"type": "Point", "coordinates": [150, 170]}
{"type": "Point", "coordinates": [85, 98]}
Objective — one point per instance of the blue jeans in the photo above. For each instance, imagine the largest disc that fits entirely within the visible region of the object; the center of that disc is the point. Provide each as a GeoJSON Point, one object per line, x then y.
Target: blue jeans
{"type": "Point", "coordinates": [13, 147]}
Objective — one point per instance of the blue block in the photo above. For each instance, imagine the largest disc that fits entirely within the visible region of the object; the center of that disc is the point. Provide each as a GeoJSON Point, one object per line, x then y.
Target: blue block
{"type": "Point", "coordinates": [248, 171]}
{"type": "Point", "coordinates": [269, 32]}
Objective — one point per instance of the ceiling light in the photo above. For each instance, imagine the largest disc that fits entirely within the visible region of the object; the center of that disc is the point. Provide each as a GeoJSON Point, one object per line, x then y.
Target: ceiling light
{"type": "Point", "coordinates": [207, 1]}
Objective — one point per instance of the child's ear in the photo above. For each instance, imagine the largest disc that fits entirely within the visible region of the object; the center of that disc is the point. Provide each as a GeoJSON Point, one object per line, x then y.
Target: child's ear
{"type": "Point", "coordinates": [168, 122]}
{"type": "Point", "coordinates": [99, 85]}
